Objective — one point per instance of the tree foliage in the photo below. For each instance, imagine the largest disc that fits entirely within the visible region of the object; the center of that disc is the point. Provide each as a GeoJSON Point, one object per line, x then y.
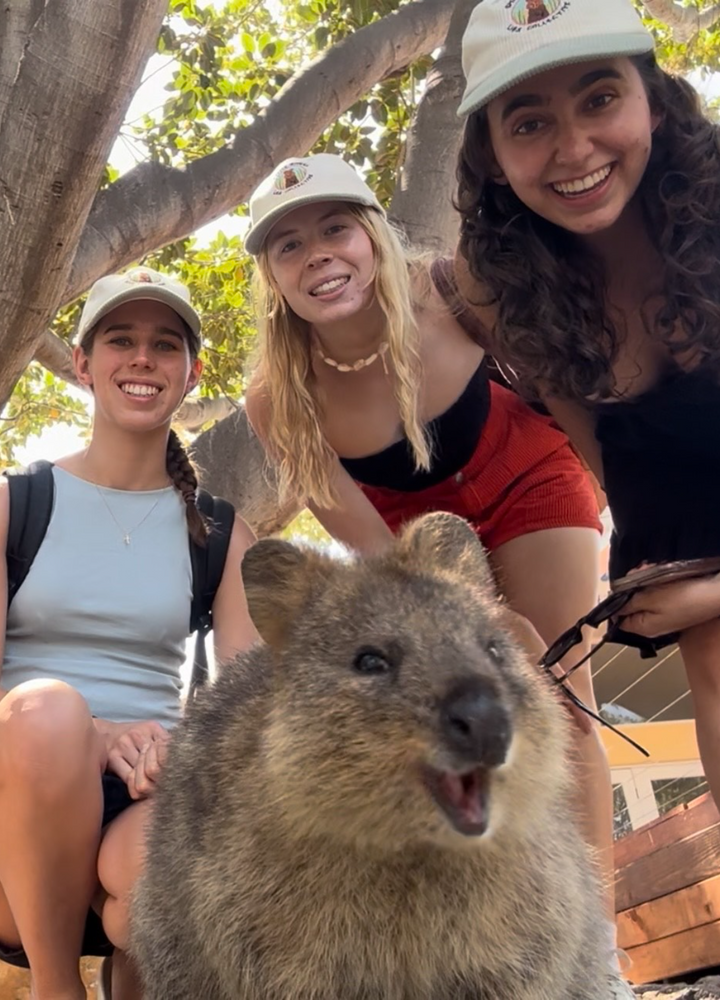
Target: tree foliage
{"type": "Point", "coordinates": [226, 61]}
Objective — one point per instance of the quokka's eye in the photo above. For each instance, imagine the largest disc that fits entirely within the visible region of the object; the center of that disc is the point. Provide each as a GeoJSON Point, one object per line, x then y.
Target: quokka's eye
{"type": "Point", "coordinates": [494, 652]}
{"type": "Point", "coordinates": [371, 661]}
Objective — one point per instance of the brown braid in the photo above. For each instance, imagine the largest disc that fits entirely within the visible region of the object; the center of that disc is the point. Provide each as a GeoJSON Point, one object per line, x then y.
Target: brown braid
{"type": "Point", "coordinates": [181, 471]}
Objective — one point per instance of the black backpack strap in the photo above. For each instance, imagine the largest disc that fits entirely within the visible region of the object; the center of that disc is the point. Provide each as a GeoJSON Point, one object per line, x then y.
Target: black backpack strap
{"type": "Point", "coordinates": [32, 492]}
{"type": "Point", "coordinates": [208, 564]}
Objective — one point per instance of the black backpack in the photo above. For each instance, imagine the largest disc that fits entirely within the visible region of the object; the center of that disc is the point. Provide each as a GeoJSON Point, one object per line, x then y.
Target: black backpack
{"type": "Point", "coordinates": [31, 501]}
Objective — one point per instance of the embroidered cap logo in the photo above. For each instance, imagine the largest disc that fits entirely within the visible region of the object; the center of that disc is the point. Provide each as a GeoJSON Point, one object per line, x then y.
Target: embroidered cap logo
{"type": "Point", "coordinates": [144, 277]}
{"type": "Point", "coordinates": [526, 13]}
{"type": "Point", "coordinates": [290, 176]}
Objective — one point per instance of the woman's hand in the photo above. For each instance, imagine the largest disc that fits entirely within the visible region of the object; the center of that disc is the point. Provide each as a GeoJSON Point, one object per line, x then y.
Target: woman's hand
{"type": "Point", "coordinates": [143, 780]}
{"type": "Point", "coordinates": [135, 752]}
{"type": "Point", "coordinates": [672, 607]}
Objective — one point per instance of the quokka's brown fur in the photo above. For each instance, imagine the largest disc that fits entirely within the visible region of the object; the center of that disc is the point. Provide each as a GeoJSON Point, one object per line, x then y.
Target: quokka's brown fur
{"type": "Point", "coordinates": [300, 848]}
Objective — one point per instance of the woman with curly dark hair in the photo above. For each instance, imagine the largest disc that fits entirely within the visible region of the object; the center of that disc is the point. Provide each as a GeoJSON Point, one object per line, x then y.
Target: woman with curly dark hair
{"type": "Point", "coordinates": [589, 186]}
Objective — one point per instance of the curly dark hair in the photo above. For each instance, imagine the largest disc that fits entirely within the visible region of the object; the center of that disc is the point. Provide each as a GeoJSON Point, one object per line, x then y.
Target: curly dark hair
{"type": "Point", "coordinates": [552, 324]}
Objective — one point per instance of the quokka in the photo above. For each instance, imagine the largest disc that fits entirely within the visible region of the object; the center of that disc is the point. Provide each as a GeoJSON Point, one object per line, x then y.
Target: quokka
{"type": "Point", "coordinates": [372, 805]}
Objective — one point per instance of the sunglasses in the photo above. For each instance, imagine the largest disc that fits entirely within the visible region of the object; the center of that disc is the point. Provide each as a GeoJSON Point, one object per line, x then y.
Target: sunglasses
{"type": "Point", "coordinates": [601, 613]}
{"type": "Point", "coordinates": [623, 590]}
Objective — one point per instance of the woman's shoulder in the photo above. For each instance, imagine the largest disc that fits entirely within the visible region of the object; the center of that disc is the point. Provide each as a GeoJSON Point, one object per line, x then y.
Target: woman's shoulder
{"type": "Point", "coordinates": [453, 291]}
{"type": "Point", "coordinates": [257, 405]}
{"type": "Point", "coordinates": [476, 297]}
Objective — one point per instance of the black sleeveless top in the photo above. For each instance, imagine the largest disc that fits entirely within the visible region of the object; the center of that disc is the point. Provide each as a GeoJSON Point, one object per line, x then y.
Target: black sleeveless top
{"type": "Point", "coordinates": [453, 436]}
{"type": "Point", "coordinates": [661, 462]}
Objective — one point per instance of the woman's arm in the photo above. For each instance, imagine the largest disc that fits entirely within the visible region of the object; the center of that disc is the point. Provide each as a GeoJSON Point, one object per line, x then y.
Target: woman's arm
{"type": "Point", "coordinates": [233, 629]}
{"type": "Point", "coordinates": [574, 418]}
{"type": "Point", "coordinates": [579, 424]}
{"type": "Point", "coordinates": [353, 521]}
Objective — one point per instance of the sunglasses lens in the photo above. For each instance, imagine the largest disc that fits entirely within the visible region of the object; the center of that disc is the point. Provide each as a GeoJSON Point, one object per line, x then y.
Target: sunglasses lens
{"type": "Point", "coordinates": [607, 608]}
{"type": "Point", "coordinates": [562, 646]}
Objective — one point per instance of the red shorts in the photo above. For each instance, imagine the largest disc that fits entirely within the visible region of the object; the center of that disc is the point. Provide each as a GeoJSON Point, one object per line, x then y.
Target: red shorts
{"type": "Point", "coordinates": [523, 477]}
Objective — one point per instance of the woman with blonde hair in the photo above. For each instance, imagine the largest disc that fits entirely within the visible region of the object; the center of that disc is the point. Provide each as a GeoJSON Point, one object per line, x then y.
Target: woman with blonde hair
{"type": "Point", "coordinates": [374, 403]}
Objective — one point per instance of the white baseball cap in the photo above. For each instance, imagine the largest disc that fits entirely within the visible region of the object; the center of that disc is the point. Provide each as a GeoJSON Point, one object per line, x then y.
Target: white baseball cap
{"type": "Point", "coordinates": [137, 283]}
{"type": "Point", "coordinates": [507, 41]}
{"type": "Point", "coordinates": [323, 177]}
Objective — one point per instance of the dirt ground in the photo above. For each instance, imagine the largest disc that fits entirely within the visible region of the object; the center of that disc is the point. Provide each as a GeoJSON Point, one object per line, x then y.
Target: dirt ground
{"type": "Point", "coordinates": [15, 983]}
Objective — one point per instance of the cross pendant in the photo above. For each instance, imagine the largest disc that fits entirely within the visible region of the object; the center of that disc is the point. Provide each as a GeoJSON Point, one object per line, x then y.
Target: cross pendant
{"type": "Point", "coordinates": [126, 539]}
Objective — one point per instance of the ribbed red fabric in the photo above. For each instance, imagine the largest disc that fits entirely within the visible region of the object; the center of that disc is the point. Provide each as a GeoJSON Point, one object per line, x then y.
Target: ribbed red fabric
{"type": "Point", "coordinates": [523, 477]}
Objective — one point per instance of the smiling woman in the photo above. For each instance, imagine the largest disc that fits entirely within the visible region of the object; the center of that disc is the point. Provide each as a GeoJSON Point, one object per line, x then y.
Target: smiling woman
{"type": "Point", "coordinates": [590, 196]}
{"type": "Point", "coordinates": [95, 639]}
{"type": "Point", "coordinates": [373, 397]}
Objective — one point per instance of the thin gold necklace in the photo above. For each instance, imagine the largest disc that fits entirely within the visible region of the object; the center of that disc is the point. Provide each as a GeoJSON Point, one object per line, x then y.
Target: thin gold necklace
{"type": "Point", "coordinates": [125, 532]}
{"type": "Point", "coordinates": [356, 366]}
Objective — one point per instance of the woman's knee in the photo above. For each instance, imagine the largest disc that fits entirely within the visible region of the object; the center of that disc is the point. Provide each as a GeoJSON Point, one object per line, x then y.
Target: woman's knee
{"type": "Point", "coordinates": [120, 864]}
{"type": "Point", "coordinates": [45, 731]}
{"type": "Point", "coordinates": [9, 935]}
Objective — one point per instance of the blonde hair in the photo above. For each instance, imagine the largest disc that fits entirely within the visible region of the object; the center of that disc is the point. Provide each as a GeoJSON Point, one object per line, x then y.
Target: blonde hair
{"type": "Point", "coordinates": [294, 436]}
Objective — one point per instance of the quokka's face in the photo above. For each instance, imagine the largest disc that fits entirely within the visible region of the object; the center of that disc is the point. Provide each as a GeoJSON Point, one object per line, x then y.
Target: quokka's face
{"type": "Point", "coordinates": [404, 712]}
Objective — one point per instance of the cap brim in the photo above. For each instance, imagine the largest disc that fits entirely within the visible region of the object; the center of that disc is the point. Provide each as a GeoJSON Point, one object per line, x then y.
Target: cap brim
{"type": "Point", "coordinates": [257, 235]}
{"type": "Point", "coordinates": [559, 53]}
{"type": "Point", "coordinates": [154, 293]}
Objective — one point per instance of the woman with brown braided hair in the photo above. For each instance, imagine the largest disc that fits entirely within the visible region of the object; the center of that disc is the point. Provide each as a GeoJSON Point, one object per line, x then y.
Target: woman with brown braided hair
{"type": "Point", "coordinates": [95, 638]}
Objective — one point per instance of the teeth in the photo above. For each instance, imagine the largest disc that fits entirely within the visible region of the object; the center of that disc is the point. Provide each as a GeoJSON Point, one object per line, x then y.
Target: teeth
{"type": "Point", "coordinates": [584, 183]}
{"type": "Point", "coordinates": [139, 390]}
{"type": "Point", "coordinates": [329, 286]}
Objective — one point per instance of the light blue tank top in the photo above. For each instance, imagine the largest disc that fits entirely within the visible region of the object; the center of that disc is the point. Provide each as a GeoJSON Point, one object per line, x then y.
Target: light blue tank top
{"type": "Point", "coordinates": [108, 618]}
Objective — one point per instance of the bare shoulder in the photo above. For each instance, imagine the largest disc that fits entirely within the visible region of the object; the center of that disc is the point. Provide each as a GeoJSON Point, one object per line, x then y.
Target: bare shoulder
{"type": "Point", "coordinates": [474, 294]}
{"type": "Point", "coordinates": [257, 406]}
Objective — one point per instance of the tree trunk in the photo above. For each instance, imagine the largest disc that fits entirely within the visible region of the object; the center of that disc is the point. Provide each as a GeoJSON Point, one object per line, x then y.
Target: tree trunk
{"type": "Point", "coordinates": [68, 70]}
{"type": "Point", "coordinates": [423, 201]}
{"type": "Point", "coordinates": [231, 462]}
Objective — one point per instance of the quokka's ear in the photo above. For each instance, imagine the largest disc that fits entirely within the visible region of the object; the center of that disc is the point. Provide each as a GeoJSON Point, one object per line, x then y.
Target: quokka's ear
{"type": "Point", "coordinates": [447, 542]}
{"type": "Point", "coordinates": [278, 578]}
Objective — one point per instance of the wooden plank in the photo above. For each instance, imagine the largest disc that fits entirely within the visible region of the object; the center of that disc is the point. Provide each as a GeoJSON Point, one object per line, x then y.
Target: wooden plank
{"type": "Point", "coordinates": [672, 742]}
{"type": "Point", "coordinates": [674, 867]}
{"type": "Point", "coordinates": [679, 823]}
{"type": "Point", "coordinates": [689, 951]}
{"type": "Point", "coordinates": [680, 911]}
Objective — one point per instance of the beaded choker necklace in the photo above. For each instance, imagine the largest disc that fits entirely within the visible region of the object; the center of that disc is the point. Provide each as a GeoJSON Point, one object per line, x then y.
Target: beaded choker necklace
{"type": "Point", "coordinates": [356, 366]}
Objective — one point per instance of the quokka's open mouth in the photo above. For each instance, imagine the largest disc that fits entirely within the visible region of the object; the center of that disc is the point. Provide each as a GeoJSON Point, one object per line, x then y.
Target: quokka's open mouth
{"type": "Point", "coordinates": [464, 798]}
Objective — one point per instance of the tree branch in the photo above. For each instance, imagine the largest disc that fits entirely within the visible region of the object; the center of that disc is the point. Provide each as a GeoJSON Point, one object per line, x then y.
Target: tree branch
{"type": "Point", "coordinates": [153, 205]}
{"type": "Point", "coordinates": [684, 22]}
{"type": "Point", "coordinates": [196, 412]}
{"type": "Point", "coordinates": [55, 355]}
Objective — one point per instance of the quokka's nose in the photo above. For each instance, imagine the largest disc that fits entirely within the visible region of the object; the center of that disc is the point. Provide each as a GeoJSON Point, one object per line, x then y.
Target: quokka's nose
{"type": "Point", "coordinates": [475, 724]}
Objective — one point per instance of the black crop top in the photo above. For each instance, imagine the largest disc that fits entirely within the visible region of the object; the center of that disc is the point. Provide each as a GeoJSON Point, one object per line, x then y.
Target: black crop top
{"type": "Point", "coordinates": [453, 436]}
